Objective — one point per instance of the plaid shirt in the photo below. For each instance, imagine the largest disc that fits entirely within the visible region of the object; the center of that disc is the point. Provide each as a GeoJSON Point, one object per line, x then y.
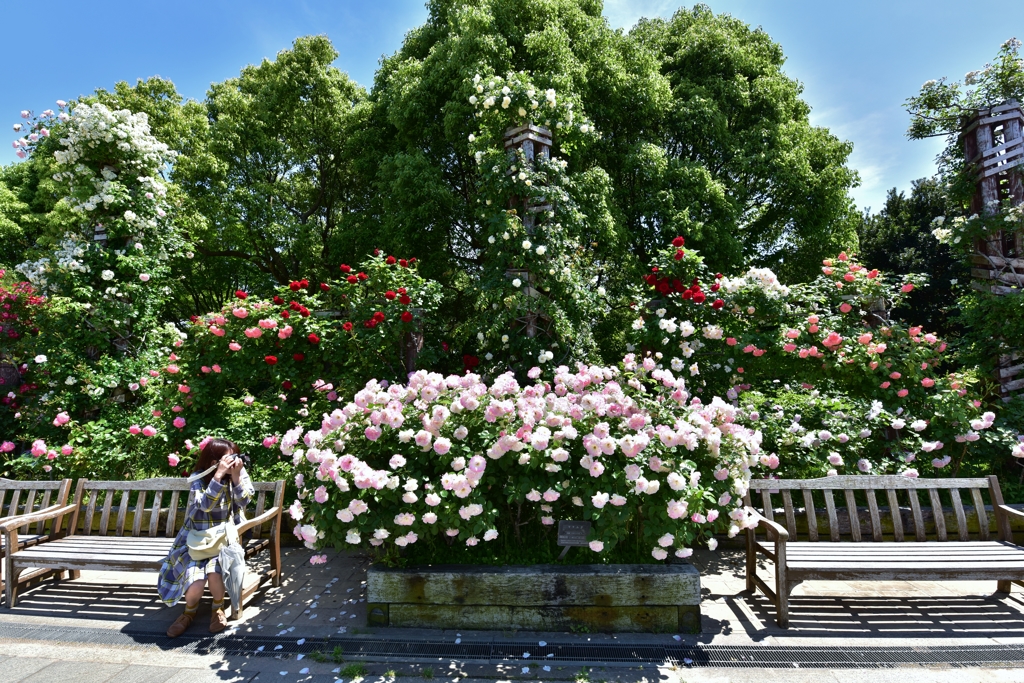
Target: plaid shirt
{"type": "Point", "coordinates": [211, 505]}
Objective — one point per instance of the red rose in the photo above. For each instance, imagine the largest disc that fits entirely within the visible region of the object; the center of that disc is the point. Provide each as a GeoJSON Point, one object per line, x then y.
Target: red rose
{"type": "Point", "coordinates": [271, 360]}
{"type": "Point", "coordinates": [286, 385]}
{"type": "Point", "coordinates": [278, 300]}
{"type": "Point", "coordinates": [294, 305]}
{"type": "Point", "coordinates": [679, 255]}
{"type": "Point", "coordinates": [378, 317]}
{"type": "Point", "coordinates": [406, 317]}
{"type": "Point", "coordinates": [194, 318]}
{"type": "Point", "coordinates": [346, 326]}
{"type": "Point", "coordinates": [294, 286]}
{"type": "Point", "coordinates": [715, 287]}
{"type": "Point", "coordinates": [687, 294]}
{"type": "Point", "coordinates": [412, 260]}
{"type": "Point", "coordinates": [401, 290]}
{"type": "Point", "coordinates": [698, 297]}
{"type": "Point", "coordinates": [403, 263]}
{"type": "Point", "coordinates": [324, 287]}
{"type": "Point", "coordinates": [404, 299]}
{"type": "Point", "coordinates": [663, 287]}
{"type": "Point", "coordinates": [389, 295]}
{"type": "Point", "coordinates": [285, 314]}
{"type": "Point", "coordinates": [240, 294]}
{"type": "Point", "coordinates": [313, 339]}
{"type": "Point", "coordinates": [678, 242]}
{"type": "Point", "coordinates": [299, 357]}
{"type": "Point", "coordinates": [346, 269]}
{"type": "Point", "coordinates": [363, 276]}
{"type": "Point", "coordinates": [718, 276]}
{"type": "Point", "coordinates": [376, 252]}
{"type": "Point", "coordinates": [651, 279]}
{"type": "Point", "coordinates": [470, 361]}
{"type": "Point", "coordinates": [352, 279]}
{"type": "Point", "coordinates": [390, 260]}
{"type": "Point", "coordinates": [304, 283]}
{"type": "Point", "coordinates": [677, 285]}
{"type": "Point", "coordinates": [304, 312]}
{"type": "Point", "coordinates": [718, 303]}
{"type": "Point", "coordinates": [654, 269]}
{"type": "Point", "coordinates": [370, 324]}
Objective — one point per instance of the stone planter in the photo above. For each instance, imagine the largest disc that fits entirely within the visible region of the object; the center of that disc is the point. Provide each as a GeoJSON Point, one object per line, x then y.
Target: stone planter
{"type": "Point", "coordinates": [604, 598]}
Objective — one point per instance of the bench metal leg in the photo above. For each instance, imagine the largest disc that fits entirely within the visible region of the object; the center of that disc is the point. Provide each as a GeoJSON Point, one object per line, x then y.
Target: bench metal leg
{"type": "Point", "coordinates": [751, 562]}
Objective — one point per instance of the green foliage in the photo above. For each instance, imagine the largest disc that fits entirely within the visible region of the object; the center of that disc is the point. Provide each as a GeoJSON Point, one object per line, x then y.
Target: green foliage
{"type": "Point", "coordinates": [735, 163]}
{"type": "Point", "coordinates": [898, 239]}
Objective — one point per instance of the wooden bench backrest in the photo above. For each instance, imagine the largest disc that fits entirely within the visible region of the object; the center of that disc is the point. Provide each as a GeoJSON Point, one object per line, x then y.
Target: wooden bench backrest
{"type": "Point", "coordinates": [898, 491]}
{"type": "Point", "coordinates": [140, 508]}
{"type": "Point", "coordinates": [26, 497]}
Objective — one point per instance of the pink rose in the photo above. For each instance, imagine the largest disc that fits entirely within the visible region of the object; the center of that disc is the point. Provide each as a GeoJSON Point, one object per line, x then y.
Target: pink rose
{"type": "Point", "coordinates": [179, 422]}
{"type": "Point", "coordinates": [240, 313]}
{"type": "Point", "coordinates": [135, 430]}
{"type": "Point", "coordinates": [173, 459]}
{"type": "Point", "coordinates": [902, 392]}
{"type": "Point", "coordinates": [909, 287]}
{"type": "Point", "coordinates": [235, 346]}
{"type": "Point", "coordinates": [216, 368]}
{"type": "Point", "coordinates": [928, 382]}
{"type": "Point", "coordinates": [845, 307]}
{"type": "Point", "coordinates": [149, 430]}
{"type": "Point", "coordinates": [66, 449]}
{"type": "Point", "coordinates": [205, 368]}
{"type": "Point", "coordinates": [184, 388]}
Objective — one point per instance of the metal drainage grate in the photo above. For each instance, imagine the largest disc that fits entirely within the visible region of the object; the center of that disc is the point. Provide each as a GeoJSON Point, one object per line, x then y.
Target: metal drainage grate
{"type": "Point", "coordinates": [713, 656]}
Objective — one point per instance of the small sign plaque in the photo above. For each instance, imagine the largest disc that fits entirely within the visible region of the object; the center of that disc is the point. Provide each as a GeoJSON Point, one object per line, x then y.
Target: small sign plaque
{"type": "Point", "coordinates": [572, 533]}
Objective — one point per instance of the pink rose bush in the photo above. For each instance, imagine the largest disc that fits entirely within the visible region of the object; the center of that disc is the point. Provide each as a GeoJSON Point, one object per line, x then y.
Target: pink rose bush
{"type": "Point", "coordinates": [629, 449]}
{"type": "Point", "coordinates": [823, 366]}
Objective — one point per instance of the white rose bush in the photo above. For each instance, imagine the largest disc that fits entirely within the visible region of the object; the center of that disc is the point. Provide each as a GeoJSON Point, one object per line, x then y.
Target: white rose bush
{"type": "Point", "coordinates": [453, 466]}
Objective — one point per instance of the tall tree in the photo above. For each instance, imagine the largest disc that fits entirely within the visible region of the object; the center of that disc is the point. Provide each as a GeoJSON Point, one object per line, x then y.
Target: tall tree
{"type": "Point", "coordinates": [276, 185]}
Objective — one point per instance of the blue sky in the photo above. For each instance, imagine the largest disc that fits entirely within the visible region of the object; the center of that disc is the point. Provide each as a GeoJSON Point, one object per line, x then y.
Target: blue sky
{"type": "Point", "coordinates": [857, 60]}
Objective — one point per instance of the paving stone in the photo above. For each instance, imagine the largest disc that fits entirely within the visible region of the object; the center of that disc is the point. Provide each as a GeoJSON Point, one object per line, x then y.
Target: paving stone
{"type": "Point", "coordinates": [79, 672]}
{"type": "Point", "coordinates": [18, 668]}
{"type": "Point", "coordinates": [136, 673]}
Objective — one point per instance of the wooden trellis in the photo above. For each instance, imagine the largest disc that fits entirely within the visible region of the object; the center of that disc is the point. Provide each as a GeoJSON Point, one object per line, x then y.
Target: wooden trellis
{"type": "Point", "coordinates": [535, 143]}
{"type": "Point", "coordinates": [994, 149]}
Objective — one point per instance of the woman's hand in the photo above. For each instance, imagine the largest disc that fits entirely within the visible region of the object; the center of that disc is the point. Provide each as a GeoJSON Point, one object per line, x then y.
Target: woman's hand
{"type": "Point", "coordinates": [236, 471]}
{"type": "Point", "coordinates": [224, 467]}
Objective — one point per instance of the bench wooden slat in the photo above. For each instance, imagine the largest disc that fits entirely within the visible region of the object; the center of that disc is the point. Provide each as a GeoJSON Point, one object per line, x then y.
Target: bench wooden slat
{"type": "Point", "coordinates": [940, 519]}
{"type": "Point", "coordinates": [863, 481]}
{"type": "Point", "coordinates": [897, 516]}
{"type": "Point", "coordinates": [787, 501]}
{"type": "Point", "coordinates": [172, 514]}
{"type": "Point", "coordinates": [122, 512]}
{"type": "Point", "coordinates": [812, 516]}
{"type": "Point", "coordinates": [90, 513]}
{"type": "Point", "coordinates": [915, 507]}
{"type": "Point", "coordinates": [766, 501]}
{"type": "Point", "coordinates": [140, 505]}
{"type": "Point", "coordinates": [41, 525]}
{"type": "Point", "coordinates": [876, 522]}
{"type": "Point", "coordinates": [851, 514]}
{"type": "Point", "coordinates": [154, 515]}
{"type": "Point", "coordinates": [261, 500]}
{"type": "Point", "coordinates": [979, 509]}
{"type": "Point", "coordinates": [961, 518]}
{"type": "Point", "coordinates": [105, 515]}
{"type": "Point", "coordinates": [833, 521]}
{"type": "Point", "coordinates": [12, 509]}
{"type": "Point", "coordinates": [3, 494]}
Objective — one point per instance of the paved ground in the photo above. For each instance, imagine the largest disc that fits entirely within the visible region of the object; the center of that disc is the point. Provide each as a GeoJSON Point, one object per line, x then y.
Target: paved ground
{"type": "Point", "coordinates": [329, 601]}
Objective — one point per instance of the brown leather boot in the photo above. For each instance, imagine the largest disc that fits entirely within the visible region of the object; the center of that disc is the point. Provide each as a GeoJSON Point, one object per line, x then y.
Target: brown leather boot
{"type": "Point", "coordinates": [180, 625]}
{"type": "Point", "coordinates": [218, 622]}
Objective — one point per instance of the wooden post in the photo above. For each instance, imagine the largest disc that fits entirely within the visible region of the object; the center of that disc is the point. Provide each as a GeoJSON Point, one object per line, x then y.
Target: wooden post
{"type": "Point", "coordinates": [994, 150]}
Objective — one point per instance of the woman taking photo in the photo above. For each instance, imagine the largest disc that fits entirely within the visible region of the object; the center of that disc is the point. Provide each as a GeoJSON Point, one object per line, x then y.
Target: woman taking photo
{"type": "Point", "coordinates": [220, 495]}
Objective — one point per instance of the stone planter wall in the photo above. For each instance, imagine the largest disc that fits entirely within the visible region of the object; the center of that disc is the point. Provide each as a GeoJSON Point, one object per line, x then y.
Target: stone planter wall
{"type": "Point", "coordinates": [601, 598]}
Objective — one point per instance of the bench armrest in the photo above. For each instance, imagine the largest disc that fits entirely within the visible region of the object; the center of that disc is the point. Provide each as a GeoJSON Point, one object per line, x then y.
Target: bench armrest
{"type": "Point", "coordinates": [1011, 511]}
{"type": "Point", "coordinates": [52, 512]}
{"type": "Point", "coordinates": [259, 519]}
{"type": "Point", "coordinates": [780, 532]}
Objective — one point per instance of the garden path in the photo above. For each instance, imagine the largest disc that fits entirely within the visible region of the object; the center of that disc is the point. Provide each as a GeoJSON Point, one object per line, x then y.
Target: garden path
{"type": "Point", "coordinates": [111, 626]}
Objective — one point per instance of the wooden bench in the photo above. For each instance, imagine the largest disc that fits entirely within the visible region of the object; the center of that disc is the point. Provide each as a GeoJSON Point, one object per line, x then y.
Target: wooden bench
{"type": "Point", "coordinates": [880, 545]}
{"type": "Point", "coordinates": [21, 498]}
{"type": "Point", "coordinates": [136, 533]}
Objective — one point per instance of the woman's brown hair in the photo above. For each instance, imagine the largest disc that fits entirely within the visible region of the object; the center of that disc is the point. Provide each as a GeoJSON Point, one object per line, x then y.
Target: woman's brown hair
{"type": "Point", "coordinates": [211, 453]}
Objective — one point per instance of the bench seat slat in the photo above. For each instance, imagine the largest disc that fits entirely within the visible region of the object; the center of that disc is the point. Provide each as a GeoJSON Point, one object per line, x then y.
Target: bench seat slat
{"type": "Point", "coordinates": [862, 481]}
